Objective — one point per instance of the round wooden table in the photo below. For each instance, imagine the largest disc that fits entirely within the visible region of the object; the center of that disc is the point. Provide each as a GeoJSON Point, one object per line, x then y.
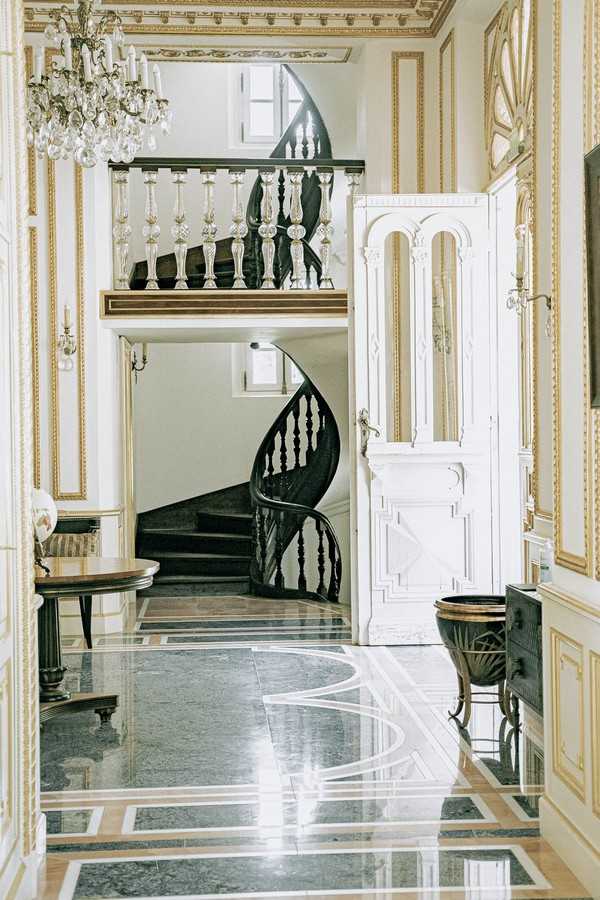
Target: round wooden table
{"type": "Point", "coordinates": [78, 577]}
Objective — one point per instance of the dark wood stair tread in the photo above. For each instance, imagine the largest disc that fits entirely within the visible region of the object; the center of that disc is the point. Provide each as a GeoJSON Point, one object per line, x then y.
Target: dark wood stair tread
{"type": "Point", "coordinates": [177, 554]}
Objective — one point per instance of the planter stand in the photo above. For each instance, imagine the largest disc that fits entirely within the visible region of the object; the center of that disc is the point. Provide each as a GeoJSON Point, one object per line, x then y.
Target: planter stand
{"type": "Point", "coordinates": [473, 631]}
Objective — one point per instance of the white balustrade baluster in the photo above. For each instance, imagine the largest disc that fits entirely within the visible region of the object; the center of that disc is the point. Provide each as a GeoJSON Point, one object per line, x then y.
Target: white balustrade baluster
{"type": "Point", "coordinates": [121, 229]}
{"type": "Point", "coordinates": [325, 230]}
{"type": "Point", "coordinates": [296, 230]}
{"type": "Point", "coordinates": [151, 228]}
{"type": "Point", "coordinates": [180, 230]}
{"type": "Point", "coordinates": [353, 180]}
{"type": "Point", "coordinates": [239, 229]}
{"type": "Point", "coordinates": [209, 229]}
{"type": "Point", "coordinates": [267, 230]}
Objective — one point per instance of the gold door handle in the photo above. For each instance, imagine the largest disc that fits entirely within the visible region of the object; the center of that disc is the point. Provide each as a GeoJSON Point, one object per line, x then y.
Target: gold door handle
{"type": "Point", "coordinates": [365, 430]}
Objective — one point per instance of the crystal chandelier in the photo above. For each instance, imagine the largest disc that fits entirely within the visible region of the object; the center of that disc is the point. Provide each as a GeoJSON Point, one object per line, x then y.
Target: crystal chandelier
{"type": "Point", "coordinates": [96, 101]}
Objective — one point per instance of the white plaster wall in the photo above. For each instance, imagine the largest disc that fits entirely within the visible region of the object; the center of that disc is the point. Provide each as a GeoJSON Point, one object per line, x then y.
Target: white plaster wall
{"type": "Point", "coordinates": [192, 436]}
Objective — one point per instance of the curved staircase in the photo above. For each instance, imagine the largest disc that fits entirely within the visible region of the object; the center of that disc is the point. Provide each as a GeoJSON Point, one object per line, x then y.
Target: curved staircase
{"type": "Point", "coordinates": [265, 536]}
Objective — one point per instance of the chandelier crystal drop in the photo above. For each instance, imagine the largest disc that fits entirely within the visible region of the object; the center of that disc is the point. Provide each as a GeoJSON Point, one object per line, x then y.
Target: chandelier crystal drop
{"type": "Point", "coordinates": [95, 102]}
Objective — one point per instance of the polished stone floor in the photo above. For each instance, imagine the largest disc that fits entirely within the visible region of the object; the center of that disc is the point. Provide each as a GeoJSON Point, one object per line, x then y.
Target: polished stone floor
{"type": "Point", "coordinates": [257, 753]}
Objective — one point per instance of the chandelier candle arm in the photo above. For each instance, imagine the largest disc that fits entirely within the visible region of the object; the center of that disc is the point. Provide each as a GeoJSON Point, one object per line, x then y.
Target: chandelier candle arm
{"type": "Point", "coordinates": [180, 231]}
{"type": "Point", "coordinates": [267, 230]}
{"type": "Point", "coordinates": [151, 229]}
{"type": "Point", "coordinates": [85, 106]}
{"type": "Point", "coordinates": [296, 230]}
{"type": "Point", "coordinates": [121, 228]}
{"type": "Point", "coordinates": [209, 230]}
{"type": "Point", "coordinates": [239, 228]}
{"type": "Point", "coordinates": [325, 230]}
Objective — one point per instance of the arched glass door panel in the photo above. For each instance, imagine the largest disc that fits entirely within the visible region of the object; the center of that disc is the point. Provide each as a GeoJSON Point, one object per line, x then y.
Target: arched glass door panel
{"type": "Point", "coordinates": [444, 337]}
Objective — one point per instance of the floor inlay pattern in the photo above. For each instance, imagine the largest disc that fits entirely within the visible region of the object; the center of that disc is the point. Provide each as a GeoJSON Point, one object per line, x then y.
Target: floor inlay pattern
{"type": "Point", "coordinates": [257, 753]}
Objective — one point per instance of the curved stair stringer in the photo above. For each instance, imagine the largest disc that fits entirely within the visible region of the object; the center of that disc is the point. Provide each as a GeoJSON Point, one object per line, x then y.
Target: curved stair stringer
{"type": "Point", "coordinates": [287, 529]}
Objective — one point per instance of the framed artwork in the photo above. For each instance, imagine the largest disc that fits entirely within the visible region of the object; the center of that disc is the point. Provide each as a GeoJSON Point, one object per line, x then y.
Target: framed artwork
{"type": "Point", "coordinates": [592, 221]}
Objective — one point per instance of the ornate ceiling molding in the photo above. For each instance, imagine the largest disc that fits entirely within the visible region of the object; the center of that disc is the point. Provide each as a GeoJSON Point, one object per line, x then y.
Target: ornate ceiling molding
{"type": "Point", "coordinates": [245, 54]}
{"type": "Point", "coordinates": [341, 18]}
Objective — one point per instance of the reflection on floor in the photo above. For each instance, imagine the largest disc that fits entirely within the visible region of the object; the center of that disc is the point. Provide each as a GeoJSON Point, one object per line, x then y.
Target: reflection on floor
{"type": "Point", "coordinates": [257, 753]}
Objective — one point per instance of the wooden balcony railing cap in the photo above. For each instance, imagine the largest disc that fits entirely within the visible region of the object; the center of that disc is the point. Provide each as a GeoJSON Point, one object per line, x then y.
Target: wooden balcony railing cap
{"type": "Point", "coordinates": [152, 164]}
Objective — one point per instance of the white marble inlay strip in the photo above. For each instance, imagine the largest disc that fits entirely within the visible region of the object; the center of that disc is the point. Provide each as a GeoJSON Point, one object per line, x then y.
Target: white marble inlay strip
{"type": "Point", "coordinates": [518, 810]}
{"type": "Point", "coordinates": [74, 867]}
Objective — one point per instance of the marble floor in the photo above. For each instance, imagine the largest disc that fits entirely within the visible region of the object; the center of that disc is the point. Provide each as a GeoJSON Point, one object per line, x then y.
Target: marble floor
{"type": "Point", "coordinates": [257, 753]}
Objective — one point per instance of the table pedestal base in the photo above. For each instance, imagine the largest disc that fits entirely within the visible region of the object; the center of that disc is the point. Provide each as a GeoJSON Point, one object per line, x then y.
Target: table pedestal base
{"type": "Point", "coordinates": [102, 704]}
{"type": "Point", "coordinates": [54, 699]}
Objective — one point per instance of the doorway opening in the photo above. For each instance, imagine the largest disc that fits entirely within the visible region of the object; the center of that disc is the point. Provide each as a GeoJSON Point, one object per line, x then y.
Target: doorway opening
{"type": "Point", "coordinates": [238, 455]}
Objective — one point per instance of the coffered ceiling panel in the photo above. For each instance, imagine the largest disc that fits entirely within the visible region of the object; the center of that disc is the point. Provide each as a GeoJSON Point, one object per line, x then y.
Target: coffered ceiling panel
{"type": "Point", "coordinates": [360, 18]}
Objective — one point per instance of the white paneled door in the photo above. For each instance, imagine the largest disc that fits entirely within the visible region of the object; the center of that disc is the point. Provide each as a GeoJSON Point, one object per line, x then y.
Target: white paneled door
{"type": "Point", "coordinates": [421, 354]}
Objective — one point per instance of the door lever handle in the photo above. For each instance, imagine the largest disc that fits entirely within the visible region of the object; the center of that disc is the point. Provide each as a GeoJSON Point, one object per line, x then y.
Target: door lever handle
{"type": "Point", "coordinates": [365, 430]}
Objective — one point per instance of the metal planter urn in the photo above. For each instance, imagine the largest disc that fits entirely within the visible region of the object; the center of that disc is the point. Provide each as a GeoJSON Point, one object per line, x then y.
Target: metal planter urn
{"type": "Point", "coordinates": [473, 630]}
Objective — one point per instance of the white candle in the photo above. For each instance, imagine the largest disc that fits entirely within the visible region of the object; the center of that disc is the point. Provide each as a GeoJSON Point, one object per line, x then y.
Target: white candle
{"type": "Point", "coordinates": [132, 64]}
{"type": "Point", "coordinates": [67, 52]}
{"type": "Point", "coordinates": [67, 316]}
{"type": "Point", "coordinates": [144, 352]}
{"type": "Point", "coordinates": [144, 70]}
{"type": "Point", "coordinates": [157, 81]}
{"type": "Point", "coordinates": [38, 65]}
{"type": "Point", "coordinates": [108, 54]}
{"type": "Point", "coordinates": [520, 257]}
{"type": "Point", "coordinates": [87, 62]}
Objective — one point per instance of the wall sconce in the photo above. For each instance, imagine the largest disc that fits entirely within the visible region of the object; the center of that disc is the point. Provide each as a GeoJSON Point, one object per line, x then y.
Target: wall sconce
{"type": "Point", "coordinates": [66, 343]}
{"type": "Point", "coordinates": [139, 367]}
{"type": "Point", "coordinates": [519, 296]}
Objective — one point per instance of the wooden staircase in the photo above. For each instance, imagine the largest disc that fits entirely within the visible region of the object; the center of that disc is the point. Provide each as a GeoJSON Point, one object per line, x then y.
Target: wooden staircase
{"type": "Point", "coordinates": [203, 545]}
{"type": "Point", "coordinates": [247, 537]}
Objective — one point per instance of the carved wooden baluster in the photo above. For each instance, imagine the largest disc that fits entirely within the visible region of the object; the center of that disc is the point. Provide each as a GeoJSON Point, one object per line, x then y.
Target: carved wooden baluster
{"type": "Point", "coordinates": [296, 230]}
{"type": "Point", "coordinates": [180, 230]}
{"type": "Point", "coordinates": [333, 591]}
{"type": "Point", "coordinates": [281, 198]}
{"type": "Point", "coordinates": [270, 469]}
{"type": "Point", "coordinates": [296, 414]}
{"type": "Point", "coordinates": [267, 229]}
{"type": "Point", "coordinates": [320, 558]}
{"type": "Point", "coordinates": [301, 559]}
{"type": "Point", "coordinates": [209, 229]}
{"type": "Point", "coordinates": [239, 229]}
{"type": "Point", "coordinates": [151, 228]}
{"type": "Point", "coordinates": [279, 580]}
{"type": "Point", "coordinates": [309, 428]}
{"type": "Point", "coordinates": [325, 230]}
{"type": "Point", "coordinates": [283, 455]}
{"type": "Point", "coordinates": [121, 229]}
{"type": "Point", "coordinates": [305, 140]}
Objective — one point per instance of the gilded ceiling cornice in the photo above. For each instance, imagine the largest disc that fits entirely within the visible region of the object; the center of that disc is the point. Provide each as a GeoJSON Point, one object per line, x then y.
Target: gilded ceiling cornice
{"type": "Point", "coordinates": [337, 18]}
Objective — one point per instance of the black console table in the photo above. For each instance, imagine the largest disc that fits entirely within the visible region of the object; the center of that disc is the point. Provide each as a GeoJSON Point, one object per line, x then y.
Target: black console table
{"type": "Point", "coordinates": [524, 673]}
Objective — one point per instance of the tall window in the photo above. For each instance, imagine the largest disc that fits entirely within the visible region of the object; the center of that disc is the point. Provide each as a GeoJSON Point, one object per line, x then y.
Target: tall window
{"type": "Point", "coordinates": [269, 101]}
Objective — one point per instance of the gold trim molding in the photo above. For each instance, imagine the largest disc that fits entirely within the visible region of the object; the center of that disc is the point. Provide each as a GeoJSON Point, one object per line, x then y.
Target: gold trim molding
{"type": "Point", "coordinates": [563, 557]}
{"type": "Point", "coordinates": [595, 722]}
{"type": "Point", "coordinates": [398, 57]}
{"type": "Point", "coordinates": [342, 18]}
{"type": "Point", "coordinates": [79, 274]}
{"type": "Point", "coordinates": [244, 54]}
{"type": "Point", "coordinates": [447, 44]}
{"type": "Point", "coordinates": [31, 157]}
{"type": "Point", "coordinates": [557, 660]}
{"type": "Point", "coordinates": [35, 355]}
